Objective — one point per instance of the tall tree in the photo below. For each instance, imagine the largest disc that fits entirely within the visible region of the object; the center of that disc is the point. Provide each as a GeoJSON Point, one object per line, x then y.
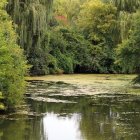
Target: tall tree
{"type": "Point", "coordinates": [129, 51]}
{"type": "Point", "coordinates": [67, 8]}
{"type": "Point", "coordinates": [32, 18]}
{"type": "Point", "coordinates": [125, 5]}
{"type": "Point", "coordinates": [98, 22]}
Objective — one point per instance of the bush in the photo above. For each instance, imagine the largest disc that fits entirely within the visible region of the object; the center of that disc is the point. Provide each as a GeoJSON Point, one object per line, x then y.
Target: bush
{"type": "Point", "coordinates": [12, 62]}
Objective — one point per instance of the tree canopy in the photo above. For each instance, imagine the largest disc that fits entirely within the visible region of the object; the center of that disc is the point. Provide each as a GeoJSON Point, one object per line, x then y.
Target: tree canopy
{"type": "Point", "coordinates": [32, 19]}
{"type": "Point", "coordinates": [129, 50]}
{"type": "Point", "coordinates": [67, 36]}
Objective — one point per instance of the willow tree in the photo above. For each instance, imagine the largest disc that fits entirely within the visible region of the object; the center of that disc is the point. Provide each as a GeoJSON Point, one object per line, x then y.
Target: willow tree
{"type": "Point", "coordinates": [32, 18]}
{"type": "Point", "coordinates": [129, 50]}
{"type": "Point", "coordinates": [125, 9]}
{"type": "Point", "coordinates": [125, 5]}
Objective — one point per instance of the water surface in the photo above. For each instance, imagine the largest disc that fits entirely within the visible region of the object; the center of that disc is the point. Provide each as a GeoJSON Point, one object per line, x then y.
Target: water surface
{"type": "Point", "coordinates": [63, 110]}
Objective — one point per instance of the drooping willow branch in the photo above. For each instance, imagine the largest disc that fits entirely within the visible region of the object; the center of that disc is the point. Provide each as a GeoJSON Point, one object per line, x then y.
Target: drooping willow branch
{"type": "Point", "coordinates": [32, 17]}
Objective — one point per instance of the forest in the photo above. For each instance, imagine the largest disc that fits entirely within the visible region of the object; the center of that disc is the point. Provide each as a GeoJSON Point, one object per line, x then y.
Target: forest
{"type": "Point", "coordinates": [41, 37]}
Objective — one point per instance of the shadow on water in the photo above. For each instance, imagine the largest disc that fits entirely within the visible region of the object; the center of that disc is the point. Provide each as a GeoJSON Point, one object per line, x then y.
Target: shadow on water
{"type": "Point", "coordinates": [58, 112]}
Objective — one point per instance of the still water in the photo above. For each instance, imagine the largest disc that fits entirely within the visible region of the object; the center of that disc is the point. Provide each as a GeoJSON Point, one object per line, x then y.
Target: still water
{"type": "Point", "coordinates": [64, 111]}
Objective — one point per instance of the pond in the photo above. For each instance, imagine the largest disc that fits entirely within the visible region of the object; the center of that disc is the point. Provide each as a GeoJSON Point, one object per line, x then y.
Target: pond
{"type": "Point", "coordinates": [76, 107]}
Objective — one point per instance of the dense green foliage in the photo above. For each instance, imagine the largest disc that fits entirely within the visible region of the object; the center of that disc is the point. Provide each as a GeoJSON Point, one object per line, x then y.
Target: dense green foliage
{"type": "Point", "coordinates": [126, 5]}
{"type": "Point", "coordinates": [12, 63]}
{"type": "Point", "coordinates": [77, 44]}
{"type": "Point", "coordinates": [129, 50]}
{"type": "Point", "coordinates": [106, 26]}
{"type": "Point", "coordinates": [98, 22]}
{"type": "Point", "coordinates": [67, 36]}
{"type": "Point", "coordinates": [32, 18]}
{"type": "Point", "coordinates": [69, 50]}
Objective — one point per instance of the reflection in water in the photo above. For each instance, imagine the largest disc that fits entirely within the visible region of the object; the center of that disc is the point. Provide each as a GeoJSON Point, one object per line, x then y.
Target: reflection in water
{"type": "Point", "coordinates": [23, 129]}
{"type": "Point", "coordinates": [61, 128]}
{"type": "Point", "coordinates": [79, 117]}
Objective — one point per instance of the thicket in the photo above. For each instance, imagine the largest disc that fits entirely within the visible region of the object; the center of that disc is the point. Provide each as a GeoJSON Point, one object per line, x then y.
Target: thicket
{"type": "Point", "coordinates": [12, 63]}
{"type": "Point", "coordinates": [72, 36]}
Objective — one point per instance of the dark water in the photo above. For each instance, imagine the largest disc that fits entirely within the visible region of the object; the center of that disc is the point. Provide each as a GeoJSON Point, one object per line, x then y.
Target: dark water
{"type": "Point", "coordinates": [58, 112]}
